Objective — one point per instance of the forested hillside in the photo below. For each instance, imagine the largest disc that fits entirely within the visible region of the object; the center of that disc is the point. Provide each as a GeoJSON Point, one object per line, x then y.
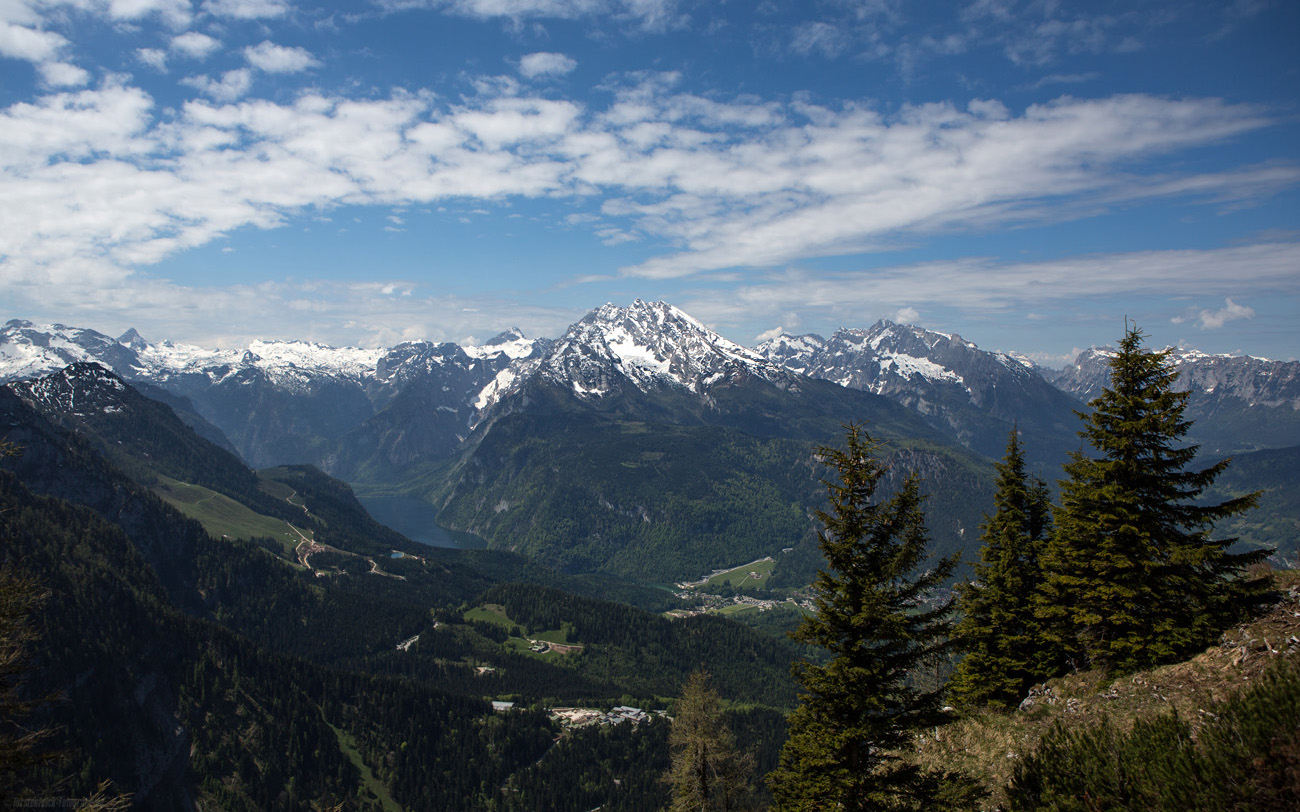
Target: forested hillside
{"type": "Point", "coordinates": [188, 669]}
{"type": "Point", "coordinates": [664, 502]}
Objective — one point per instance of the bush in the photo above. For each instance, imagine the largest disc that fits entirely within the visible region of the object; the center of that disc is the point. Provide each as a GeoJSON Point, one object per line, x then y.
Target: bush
{"type": "Point", "coordinates": [1245, 758]}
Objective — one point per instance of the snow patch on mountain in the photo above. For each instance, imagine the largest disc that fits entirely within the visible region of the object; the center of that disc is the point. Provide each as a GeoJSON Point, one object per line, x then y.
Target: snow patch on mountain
{"type": "Point", "coordinates": [511, 344]}
{"type": "Point", "coordinates": [909, 365]}
{"type": "Point", "coordinates": [282, 361]}
{"type": "Point", "coordinates": [78, 389]}
{"type": "Point", "coordinates": [648, 346]}
{"type": "Point", "coordinates": [1244, 378]}
{"type": "Point", "coordinates": [498, 386]}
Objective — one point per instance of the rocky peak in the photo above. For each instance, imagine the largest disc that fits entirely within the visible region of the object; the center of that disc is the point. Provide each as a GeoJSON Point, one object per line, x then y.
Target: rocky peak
{"type": "Point", "coordinates": [647, 346]}
{"type": "Point", "coordinates": [510, 336]}
{"type": "Point", "coordinates": [30, 350]}
{"type": "Point", "coordinates": [1254, 381]}
{"type": "Point", "coordinates": [76, 390]}
{"type": "Point", "coordinates": [791, 351]}
{"type": "Point", "coordinates": [133, 340]}
{"type": "Point", "coordinates": [651, 345]}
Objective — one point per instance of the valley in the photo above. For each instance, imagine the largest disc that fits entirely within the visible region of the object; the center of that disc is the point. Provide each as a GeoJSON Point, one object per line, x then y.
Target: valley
{"type": "Point", "coordinates": [381, 577]}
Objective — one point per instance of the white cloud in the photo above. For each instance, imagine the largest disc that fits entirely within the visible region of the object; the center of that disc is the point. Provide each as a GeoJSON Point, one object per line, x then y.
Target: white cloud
{"type": "Point", "coordinates": [33, 45]}
{"type": "Point", "coordinates": [827, 181]}
{"type": "Point", "coordinates": [232, 85]}
{"type": "Point", "coordinates": [1033, 33]}
{"type": "Point", "coordinates": [272, 58]}
{"type": "Point", "coordinates": [176, 13]}
{"type": "Point", "coordinates": [155, 58]}
{"type": "Point", "coordinates": [1065, 79]}
{"type": "Point", "coordinates": [339, 313]}
{"type": "Point", "coordinates": [78, 125]}
{"type": "Point", "coordinates": [195, 45]}
{"type": "Point", "coordinates": [907, 315]}
{"type": "Point", "coordinates": [1231, 311]}
{"type": "Point", "coordinates": [736, 184]}
{"type": "Point", "coordinates": [247, 9]}
{"type": "Point", "coordinates": [649, 14]}
{"type": "Point", "coordinates": [546, 64]}
{"type": "Point", "coordinates": [63, 74]}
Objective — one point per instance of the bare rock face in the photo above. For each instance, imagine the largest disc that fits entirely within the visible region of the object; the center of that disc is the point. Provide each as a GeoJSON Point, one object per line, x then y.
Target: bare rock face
{"type": "Point", "coordinates": [973, 395]}
{"type": "Point", "coordinates": [1236, 402]}
{"type": "Point", "coordinates": [1254, 381]}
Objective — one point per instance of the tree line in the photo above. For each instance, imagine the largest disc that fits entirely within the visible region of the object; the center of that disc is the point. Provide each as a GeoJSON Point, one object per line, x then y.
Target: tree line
{"type": "Point", "coordinates": [1123, 574]}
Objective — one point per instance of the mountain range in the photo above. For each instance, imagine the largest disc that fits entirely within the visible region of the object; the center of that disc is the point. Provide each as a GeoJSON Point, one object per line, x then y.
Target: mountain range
{"type": "Point", "coordinates": [229, 628]}
{"type": "Point", "coordinates": [640, 441]}
{"type": "Point", "coordinates": [1236, 402]}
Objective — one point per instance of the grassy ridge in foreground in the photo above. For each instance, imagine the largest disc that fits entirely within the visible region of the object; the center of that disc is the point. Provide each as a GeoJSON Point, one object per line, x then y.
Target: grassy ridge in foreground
{"type": "Point", "coordinates": [989, 746]}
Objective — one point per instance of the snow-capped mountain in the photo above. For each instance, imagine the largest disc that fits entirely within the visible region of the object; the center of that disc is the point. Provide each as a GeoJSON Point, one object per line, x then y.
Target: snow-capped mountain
{"type": "Point", "coordinates": [971, 394]}
{"type": "Point", "coordinates": [278, 401]}
{"type": "Point", "coordinates": [295, 401]}
{"type": "Point", "coordinates": [457, 372]}
{"type": "Point", "coordinates": [643, 443]}
{"type": "Point", "coordinates": [638, 436]}
{"type": "Point", "coordinates": [92, 400]}
{"type": "Point", "coordinates": [891, 357]}
{"type": "Point", "coordinates": [648, 347]}
{"type": "Point", "coordinates": [30, 350]}
{"type": "Point", "coordinates": [1257, 381]}
{"type": "Point", "coordinates": [1236, 402]}
{"type": "Point", "coordinates": [77, 391]}
{"type": "Point", "coordinates": [423, 395]}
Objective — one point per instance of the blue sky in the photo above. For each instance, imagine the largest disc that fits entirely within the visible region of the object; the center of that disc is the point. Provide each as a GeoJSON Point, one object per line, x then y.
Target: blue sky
{"type": "Point", "coordinates": [1024, 173]}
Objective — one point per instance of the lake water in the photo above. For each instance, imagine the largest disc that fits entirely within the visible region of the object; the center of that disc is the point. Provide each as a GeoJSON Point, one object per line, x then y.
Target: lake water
{"type": "Point", "coordinates": [418, 521]}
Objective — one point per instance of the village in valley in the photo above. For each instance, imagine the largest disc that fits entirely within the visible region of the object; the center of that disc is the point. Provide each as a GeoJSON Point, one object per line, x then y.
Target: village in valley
{"type": "Point", "coordinates": [753, 574]}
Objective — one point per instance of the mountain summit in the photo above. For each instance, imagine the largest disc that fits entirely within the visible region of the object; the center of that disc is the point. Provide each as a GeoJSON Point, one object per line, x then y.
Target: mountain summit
{"type": "Point", "coordinates": [648, 347]}
{"type": "Point", "coordinates": [971, 394]}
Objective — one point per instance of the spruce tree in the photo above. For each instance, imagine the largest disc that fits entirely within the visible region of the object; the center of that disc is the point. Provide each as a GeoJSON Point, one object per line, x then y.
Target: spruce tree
{"type": "Point", "coordinates": [859, 711]}
{"type": "Point", "coordinates": [1005, 648]}
{"type": "Point", "coordinates": [1132, 576]}
{"type": "Point", "coordinates": [707, 772]}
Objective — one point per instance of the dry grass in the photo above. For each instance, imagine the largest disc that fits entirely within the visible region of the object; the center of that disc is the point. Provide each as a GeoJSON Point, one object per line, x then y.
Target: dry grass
{"type": "Point", "coordinates": [987, 744]}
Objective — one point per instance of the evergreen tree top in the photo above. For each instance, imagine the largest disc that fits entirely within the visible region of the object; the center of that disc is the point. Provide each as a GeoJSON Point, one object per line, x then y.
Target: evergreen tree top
{"type": "Point", "coordinates": [860, 709]}
{"type": "Point", "coordinates": [1132, 576]}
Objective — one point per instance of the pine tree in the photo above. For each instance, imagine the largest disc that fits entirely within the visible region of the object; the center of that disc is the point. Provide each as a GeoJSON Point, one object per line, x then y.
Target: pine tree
{"type": "Point", "coordinates": [859, 711]}
{"type": "Point", "coordinates": [1005, 648]}
{"type": "Point", "coordinates": [707, 772]}
{"type": "Point", "coordinates": [1132, 577]}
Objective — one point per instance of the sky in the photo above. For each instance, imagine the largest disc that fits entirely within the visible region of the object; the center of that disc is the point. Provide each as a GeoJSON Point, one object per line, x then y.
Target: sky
{"type": "Point", "coordinates": [1026, 174]}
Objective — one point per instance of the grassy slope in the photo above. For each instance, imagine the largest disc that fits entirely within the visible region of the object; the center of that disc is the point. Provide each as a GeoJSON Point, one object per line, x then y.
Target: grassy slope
{"type": "Point", "coordinates": [987, 745]}
{"type": "Point", "coordinates": [371, 784]}
{"type": "Point", "coordinates": [222, 516]}
{"type": "Point", "coordinates": [495, 613]}
{"type": "Point", "coordinates": [739, 576]}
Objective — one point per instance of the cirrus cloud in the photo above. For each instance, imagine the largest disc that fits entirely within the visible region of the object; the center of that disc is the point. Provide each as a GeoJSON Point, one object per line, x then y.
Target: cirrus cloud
{"type": "Point", "coordinates": [100, 179]}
